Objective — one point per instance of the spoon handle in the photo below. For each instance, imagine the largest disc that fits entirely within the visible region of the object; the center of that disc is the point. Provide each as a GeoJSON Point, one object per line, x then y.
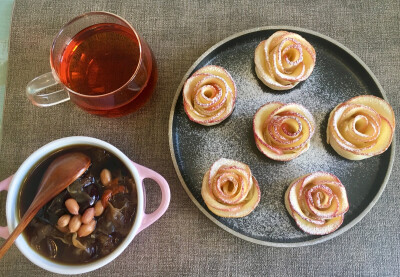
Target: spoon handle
{"type": "Point", "coordinates": [28, 216]}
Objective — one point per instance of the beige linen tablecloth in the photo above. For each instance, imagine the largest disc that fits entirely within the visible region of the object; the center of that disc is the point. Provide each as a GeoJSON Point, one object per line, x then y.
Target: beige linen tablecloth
{"type": "Point", "coordinates": [184, 242]}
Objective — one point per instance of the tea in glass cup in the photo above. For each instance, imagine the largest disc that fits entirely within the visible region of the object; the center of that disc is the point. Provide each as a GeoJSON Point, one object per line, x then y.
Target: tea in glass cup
{"type": "Point", "coordinates": [103, 64]}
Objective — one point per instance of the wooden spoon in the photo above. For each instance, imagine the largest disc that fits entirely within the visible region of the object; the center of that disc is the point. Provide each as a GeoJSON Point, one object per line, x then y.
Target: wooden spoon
{"type": "Point", "coordinates": [60, 174]}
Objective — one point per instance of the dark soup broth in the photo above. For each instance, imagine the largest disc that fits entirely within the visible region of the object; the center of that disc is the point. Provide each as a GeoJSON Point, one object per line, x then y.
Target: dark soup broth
{"type": "Point", "coordinates": [99, 213]}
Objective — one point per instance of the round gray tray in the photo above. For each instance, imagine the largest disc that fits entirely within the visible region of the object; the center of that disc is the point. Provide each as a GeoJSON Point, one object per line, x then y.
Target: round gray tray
{"type": "Point", "coordinates": [338, 75]}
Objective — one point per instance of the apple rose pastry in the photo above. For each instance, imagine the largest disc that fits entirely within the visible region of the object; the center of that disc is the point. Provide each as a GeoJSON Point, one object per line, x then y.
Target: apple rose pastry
{"type": "Point", "coordinates": [317, 202]}
{"type": "Point", "coordinates": [209, 95]}
{"type": "Point", "coordinates": [284, 60]}
{"type": "Point", "coordinates": [283, 131]}
{"type": "Point", "coordinates": [361, 127]}
{"type": "Point", "coordinates": [229, 189]}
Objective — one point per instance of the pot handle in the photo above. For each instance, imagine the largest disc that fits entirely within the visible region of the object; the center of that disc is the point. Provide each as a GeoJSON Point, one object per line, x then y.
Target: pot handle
{"type": "Point", "coordinates": [4, 186]}
{"type": "Point", "coordinates": [149, 219]}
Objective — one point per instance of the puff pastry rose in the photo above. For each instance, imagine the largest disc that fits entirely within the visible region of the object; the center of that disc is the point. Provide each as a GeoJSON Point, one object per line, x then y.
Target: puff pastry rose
{"type": "Point", "coordinates": [229, 189]}
{"type": "Point", "coordinates": [209, 95]}
{"type": "Point", "coordinates": [284, 60]}
{"type": "Point", "coordinates": [317, 202]}
{"type": "Point", "coordinates": [283, 131]}
{"type": "Point", "coordinates": [361, 127]}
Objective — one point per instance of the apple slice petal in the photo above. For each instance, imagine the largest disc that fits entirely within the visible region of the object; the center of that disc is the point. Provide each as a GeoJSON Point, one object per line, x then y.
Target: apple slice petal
{"type": "Point", "coordinates": [361, 127]}
{"type": "Point", "coordinates": [284, 60]}
{"type": "Point", "coordinates": [378, 104]}
{"type": "Point", "coordinates": [229, 184]}
{"type": "Point", "coordinates": [317, 202]}
{"type": "Point", "coordinates": [209, 95]}
{"type": "Point", "coordinates": [332, 202]}
{"type": "Point", "coordinates": [229, 189]}
{"type": "Point", "coordinates": [328, 227]}
{"type": "Point", "coordinates": [283, 131]}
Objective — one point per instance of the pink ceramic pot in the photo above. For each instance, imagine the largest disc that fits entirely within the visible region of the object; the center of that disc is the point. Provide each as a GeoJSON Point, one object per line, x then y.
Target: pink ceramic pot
{"type": "Point", "coordinates": [142, 221]}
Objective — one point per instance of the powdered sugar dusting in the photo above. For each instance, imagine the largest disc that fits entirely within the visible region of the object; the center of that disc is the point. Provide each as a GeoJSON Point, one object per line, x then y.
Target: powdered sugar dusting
{"type": "Point", "coordinates": [334, 80]}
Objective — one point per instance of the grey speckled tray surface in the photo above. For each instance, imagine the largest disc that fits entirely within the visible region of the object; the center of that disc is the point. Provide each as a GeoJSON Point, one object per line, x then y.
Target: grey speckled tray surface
{"type": "Point", "coordinates": [338, 76]}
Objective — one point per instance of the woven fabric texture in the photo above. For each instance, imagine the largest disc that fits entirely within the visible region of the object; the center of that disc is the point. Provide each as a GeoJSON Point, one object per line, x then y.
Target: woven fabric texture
{"type": "Point", "coordinates": [184, 242]}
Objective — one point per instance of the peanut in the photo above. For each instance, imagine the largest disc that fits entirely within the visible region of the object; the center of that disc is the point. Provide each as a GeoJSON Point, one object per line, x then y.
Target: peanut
{"type": "Point", "coordinates": [64, 220]}
{"type": "Point", "coordinates": [63, 229]}
{"type": "Point", "coordinates": [72, 206]}
{"type": "Point", "coordinates": [87, 215]}
{"type": "Point", "coordinates": [105, 177]}
{"type": "Point", "coordinates": [98, 208]}
{"type": "Point", "coordinates": [75, 223]}
{"type": "Point", "coordinates": [87, 229]}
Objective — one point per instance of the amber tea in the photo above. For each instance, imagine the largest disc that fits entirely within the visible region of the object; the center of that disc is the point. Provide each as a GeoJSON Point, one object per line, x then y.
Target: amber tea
{"type": "Point", "coordinates": [99, 59]}
{"type": "Point", "coordinates": [102, 59]}
{"type": "Point", "coordinates": [103, 65]}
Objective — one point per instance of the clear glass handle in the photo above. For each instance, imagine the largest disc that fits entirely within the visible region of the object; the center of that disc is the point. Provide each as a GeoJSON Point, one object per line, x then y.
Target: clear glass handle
{"type": "Point", "coordinates": [38, 89]}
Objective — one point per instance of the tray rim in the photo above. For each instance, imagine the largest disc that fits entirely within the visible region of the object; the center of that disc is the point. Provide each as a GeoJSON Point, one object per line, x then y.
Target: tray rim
{"type": "Point", "coordinates": [213, 219]}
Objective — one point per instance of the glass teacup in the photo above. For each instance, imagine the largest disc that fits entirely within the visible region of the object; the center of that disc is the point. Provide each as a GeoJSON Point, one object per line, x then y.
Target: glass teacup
{"type": "Point", "coordinates": [102, 64]}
